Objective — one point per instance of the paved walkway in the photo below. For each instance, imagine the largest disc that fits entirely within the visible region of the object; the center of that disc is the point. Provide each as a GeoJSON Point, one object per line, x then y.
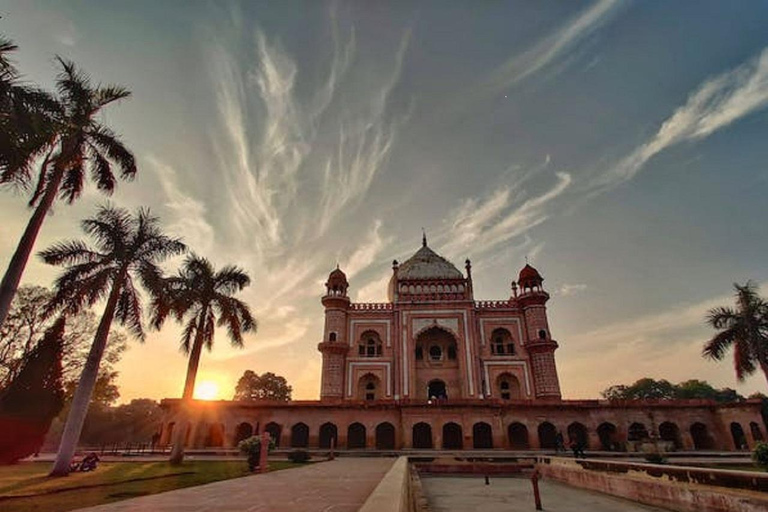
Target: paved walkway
{"type": "Point", "coordinates": [459, 494]}
{"type": "Point", "coordinates": [341, 485]}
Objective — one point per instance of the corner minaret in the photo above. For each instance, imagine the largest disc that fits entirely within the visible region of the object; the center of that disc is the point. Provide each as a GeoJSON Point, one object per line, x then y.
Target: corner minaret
{"type": "Point", "coordinates": [335, 343]}
{"type": "Point", "coordinates": [532, 300]}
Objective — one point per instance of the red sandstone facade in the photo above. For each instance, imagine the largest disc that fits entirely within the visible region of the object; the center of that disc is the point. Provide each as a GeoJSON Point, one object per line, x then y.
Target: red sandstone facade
{"type": "Point", "coordinates": [434, 368]}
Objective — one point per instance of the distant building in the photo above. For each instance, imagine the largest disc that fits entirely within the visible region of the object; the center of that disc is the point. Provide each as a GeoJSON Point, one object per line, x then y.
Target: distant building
{"type": "Point", "coordinates": [435, 368]}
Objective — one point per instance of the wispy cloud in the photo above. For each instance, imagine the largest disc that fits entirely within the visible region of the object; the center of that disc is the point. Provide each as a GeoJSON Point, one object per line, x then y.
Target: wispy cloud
{"type": "Point", "coordinates": [481, 225]}
{"type": "Point", "coordinates": [554, 46]}
{"type": "Point", "coordinates": [364, 142]}
{"type": "Point", "coordinates": [367, 252]}
{"type": "Point", "coordinates": [567, 289]}
{"type": "Point", "coordinates": [188, 216]}
{"type": "Point", "coordinates": [716, 104]}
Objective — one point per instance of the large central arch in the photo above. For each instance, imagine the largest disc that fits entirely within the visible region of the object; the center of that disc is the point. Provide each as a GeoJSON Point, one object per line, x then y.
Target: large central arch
{"type": "Point", "coordinates": [437, 364]}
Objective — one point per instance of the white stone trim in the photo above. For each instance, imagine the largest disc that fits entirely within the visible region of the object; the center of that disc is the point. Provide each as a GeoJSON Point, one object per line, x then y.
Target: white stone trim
{"type": "Point", "coordinates": [499, 319]}
{"type": "Point", "coordinates": [467, 346]}
{"type": "Point", "coordinates": [405, 361]}
{"type": "Point", "coordinates": [352, 323]}
{"type": "Point", "coordinates": [486, 364]}
{"type": "Point", "coordinates": [354, 364]}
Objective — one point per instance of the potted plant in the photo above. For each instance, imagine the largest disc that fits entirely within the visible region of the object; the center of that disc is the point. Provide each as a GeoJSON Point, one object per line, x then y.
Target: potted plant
{"type": "Point", "coordinates": [251, 448]}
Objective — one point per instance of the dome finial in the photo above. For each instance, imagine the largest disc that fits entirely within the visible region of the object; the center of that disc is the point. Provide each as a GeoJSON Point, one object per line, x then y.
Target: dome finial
{"type": "Point", "coordinates": [423, 238]}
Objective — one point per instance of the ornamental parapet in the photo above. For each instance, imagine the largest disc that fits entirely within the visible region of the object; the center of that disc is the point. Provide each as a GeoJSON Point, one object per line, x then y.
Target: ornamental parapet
{"type": "Point", "coordinates": [371, 306]}
{"type": "Point", "coordinates": [495, 304]}
{"type": "Point", "coordinates": [433, 290]}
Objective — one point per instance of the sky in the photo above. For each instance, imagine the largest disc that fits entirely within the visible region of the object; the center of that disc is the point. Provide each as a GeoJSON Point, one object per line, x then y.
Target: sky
{"type": "Point", "coordinates": [620, 146]}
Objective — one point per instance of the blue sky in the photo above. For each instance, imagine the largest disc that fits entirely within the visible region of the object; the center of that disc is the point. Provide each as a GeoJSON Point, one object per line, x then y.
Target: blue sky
{"type": "Point", "coordinates": [619, 145]}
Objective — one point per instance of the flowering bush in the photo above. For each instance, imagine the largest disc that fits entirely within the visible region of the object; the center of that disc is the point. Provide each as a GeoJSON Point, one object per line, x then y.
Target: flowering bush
{"type": "Point", "coordinates": [251, 448]}
{"type": "Point", "coordinates": [760, 455]}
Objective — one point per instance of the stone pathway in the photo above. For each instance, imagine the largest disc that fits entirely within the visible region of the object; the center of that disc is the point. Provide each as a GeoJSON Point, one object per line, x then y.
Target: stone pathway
{"type": "Point", "coordinates": [459, 494]}
{"type": "Point", "coordinates": [341, 485]}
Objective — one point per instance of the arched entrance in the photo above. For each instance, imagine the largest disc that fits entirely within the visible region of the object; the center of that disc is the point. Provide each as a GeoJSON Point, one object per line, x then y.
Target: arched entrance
{"type": "Point", "coordinates": [739, 439]}
{"type": "Point", "coordinates": [453, 438]}
{"type": "Point", "coordinates": [356, 436]}
{"type": "Point", "coordinates": [669, 432]}
{"type": "Point", "coordinates": [547, 436]}
{"type": "Point", "coordinates": [436, 390]}
{"type": "Point", "coordinates": [299, 435]}
{"type": "Point", "coordinates": [215, 437]}
{"type": "Point", "coordinates": [637, 432]}
{"type": "Point", "coordinates": [422, 436]}
{"type": "Point", "coordinates": [274, 431]}
{"type": "Point", "coordinates": [701, 437]}
{"type": "Point", "coordinates": [243, 431]}
{"type": "Point", "coordinates": [482, 436]}
{"type": "Point", "coordinates": [608, 437]}
{"type": "Point", "coordinates": [328, 432]}
{"type": "Point", "coordinates": [385, 436]}
{"type": "Point", "coordinates": [518, 436]}
{"type": "Point", "coordinates": [757, 434]}
{"type": "Point", "coordinates": [577, 433]}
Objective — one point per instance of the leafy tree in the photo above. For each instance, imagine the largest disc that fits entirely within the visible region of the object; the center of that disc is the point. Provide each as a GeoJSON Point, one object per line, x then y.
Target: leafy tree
{"type": "Point", "coordinates": [33, 399]}
{"type": "Point", "coordinates": [267, 386]}
{"type": "Point", "coordinates": [24, 327]}
{"type": "Point", "coordinates": [694, 388]}
{"type": "Point", "coordinates": [126, 246]}
{"type": "Point", "coordinates": [200, 294]}
{"type": "Point", "coordinates": [648, 388]}
{"type": "Point", "coordinates": [643, 389]}
{"type": "Point", "coordinates": [743, 328]}
{"type": "Point", "coordinates": [78, 144]}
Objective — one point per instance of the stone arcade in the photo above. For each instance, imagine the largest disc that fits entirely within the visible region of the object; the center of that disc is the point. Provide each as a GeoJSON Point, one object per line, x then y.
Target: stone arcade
{"type": "Point", "coordinates": [433, 368]}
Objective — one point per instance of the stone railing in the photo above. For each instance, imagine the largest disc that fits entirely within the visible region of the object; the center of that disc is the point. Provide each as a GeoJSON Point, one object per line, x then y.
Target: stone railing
{"type": "Point", "coordinates": [686, 489]}
{"type": "Point", "coordinates": [371, 306]}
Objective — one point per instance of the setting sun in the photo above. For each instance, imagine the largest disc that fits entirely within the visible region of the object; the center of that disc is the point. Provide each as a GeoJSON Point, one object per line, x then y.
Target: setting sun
{"type": "Point", "coordinates": [207, 390]}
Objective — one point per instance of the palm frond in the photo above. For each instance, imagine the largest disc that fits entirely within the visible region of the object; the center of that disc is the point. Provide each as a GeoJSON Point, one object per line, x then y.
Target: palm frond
{"type": "Point", "coordinates": [110, 144]}
{"type": "Point", "coordinates": [106, 94]}
{"type": "Point", "coordinates": [719, 344]}
{"type": "Point", "coordinates": [231, 279]}
{"type": "Point", "coordinates": [73, 84]}
{"type": "Point", "coordinates": [188, 335]}
{"type": "Point", "coordinates": [101, 171]}
{"type": "Point", "coordinates": [70, 252]}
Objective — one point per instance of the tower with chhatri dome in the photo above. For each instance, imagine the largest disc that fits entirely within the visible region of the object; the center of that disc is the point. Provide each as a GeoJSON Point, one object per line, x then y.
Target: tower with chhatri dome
{"type": "Point", "coordinates": [432, 341]}
{"type": "Point", "coordinates": [435, 368]}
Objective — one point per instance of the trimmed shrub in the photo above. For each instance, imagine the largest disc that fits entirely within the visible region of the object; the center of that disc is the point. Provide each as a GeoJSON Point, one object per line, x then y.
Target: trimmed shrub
{"type": "Point", "coordinates": [251, 448]}
{"type": "Point", "coordinates": [299, 456]}
{"type": "Point", "coordinates": [760, 455]}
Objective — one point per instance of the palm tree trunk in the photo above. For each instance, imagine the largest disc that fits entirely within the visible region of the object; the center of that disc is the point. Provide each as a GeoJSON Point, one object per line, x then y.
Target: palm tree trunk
{"type": "Point", "coordinates": [764, 367]}
{"type": "Point", "coordinates": [19, 260]}
{"type": "Point", "coordinates": [180, 434]}
{"type": "Point", "coordinates": [82, 398]}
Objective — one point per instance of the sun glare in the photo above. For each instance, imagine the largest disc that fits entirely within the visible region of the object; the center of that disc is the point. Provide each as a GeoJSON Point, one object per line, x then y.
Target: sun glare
{"type": "Point", "coordinates": [207, 390]}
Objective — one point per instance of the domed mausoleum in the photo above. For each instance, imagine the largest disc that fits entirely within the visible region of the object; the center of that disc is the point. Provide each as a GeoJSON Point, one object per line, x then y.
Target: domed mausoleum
{"type": "Point", "coordinates": [435, 368]}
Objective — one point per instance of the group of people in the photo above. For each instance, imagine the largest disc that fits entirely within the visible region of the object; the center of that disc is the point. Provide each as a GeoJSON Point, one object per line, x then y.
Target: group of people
{"type": "Point", "coordinates": [576, 446]}
{"type": "Point", "coordinates": [88, 463]}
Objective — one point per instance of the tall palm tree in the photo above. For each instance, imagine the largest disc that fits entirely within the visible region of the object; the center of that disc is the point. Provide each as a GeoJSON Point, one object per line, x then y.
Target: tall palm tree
{"type": "Point", "coordinates": [126, 246]}
{"type": "Point", "coordinates": [744, 328]}
{"type": "Point", "coordinates": [78, 144]}
{"type": "Point", "coordinates": [27, 119]}
{"type": "Point", "coordinates": [203, 297]}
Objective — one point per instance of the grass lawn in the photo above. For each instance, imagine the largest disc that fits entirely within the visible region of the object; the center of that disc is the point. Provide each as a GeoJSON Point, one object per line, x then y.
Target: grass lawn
{"type": "Point", "coordinates": [26, 486]}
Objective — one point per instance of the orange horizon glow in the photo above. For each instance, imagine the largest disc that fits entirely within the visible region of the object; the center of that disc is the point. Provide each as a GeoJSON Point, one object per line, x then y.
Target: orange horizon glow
{"type": "Point", "coordinates": [207, 390]}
